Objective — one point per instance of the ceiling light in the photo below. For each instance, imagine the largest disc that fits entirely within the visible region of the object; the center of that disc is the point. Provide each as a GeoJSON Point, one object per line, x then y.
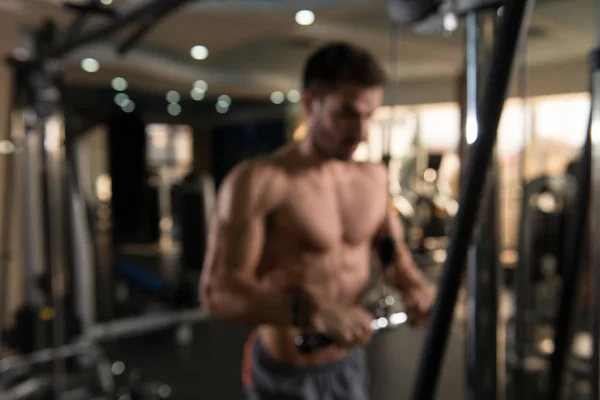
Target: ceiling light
{"type": "Point", "coordinates": [199, 52]}
{"type": "Point", "coordinates": [305, 17]}
{"type": "Point", "coordinates": [106, 2]}
{"type": "Point", "coordinates": [277, 97]}
{"type": "Point", "coordinates": [450, 22]}
{"type": "Point", "coordinates": [90, 65]}
{"type": "Point", "coordinates": [121, 98]}
{"type": "Point", "coordinates": [293, 96]}
{"type": "Point", "coordinates": [128, 106]}
{"type": "Point", "coordinates": [224, 101]}
{"type": "Point", "coordinates": [196, 94]}
{"type": "Point", "coordinates": [173, 96]}
{"type": "Point", "coordinates": [119, 84]}
{"type": "Point", "coordinates": [201, 85]}
{"type": "Point", "coordinates": [174, 109]}
{"type": "Point", "coordinates": [221, 109]}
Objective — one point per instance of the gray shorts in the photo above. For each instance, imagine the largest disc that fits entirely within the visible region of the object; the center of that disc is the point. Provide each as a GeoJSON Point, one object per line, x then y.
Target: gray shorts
{"type": "Point", "coordinates": [346, 379]}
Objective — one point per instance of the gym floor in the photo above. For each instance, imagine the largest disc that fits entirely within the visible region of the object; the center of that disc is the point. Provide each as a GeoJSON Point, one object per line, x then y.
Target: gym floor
{"type": "Point", "coordinates": [210, 366]}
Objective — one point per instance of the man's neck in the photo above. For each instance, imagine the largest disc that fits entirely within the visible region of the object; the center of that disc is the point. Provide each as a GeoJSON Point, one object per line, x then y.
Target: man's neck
{"type": "Point", "coordinates": [309, 151]}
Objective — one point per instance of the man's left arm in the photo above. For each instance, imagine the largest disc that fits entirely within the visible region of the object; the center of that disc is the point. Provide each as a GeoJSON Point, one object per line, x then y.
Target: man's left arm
{"type": "Point", "coordinates": [402, 271]}
{"type": "Point", "coordinates": [418, 294]}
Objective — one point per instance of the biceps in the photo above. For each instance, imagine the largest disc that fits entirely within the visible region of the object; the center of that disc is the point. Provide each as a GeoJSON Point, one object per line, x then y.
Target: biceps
{"type": "Point", "coordinates": [242, 244]}
{"type": "Point", "coordinates": [233, 253]}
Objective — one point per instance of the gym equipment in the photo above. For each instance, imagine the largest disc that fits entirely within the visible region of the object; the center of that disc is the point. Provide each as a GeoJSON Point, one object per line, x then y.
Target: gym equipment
{"type": "Point", "coordinates": [483, 280]}
{"type": "Point", "coordinates": [307, 344]}
{"type": "Point", "coordinates": [196, 208]}
{"type": "Point", "coordinates": [91, 376]}
{"type": "Point", "coordinates": [574, 245]}
{"type": "Point", "coordinates": [127, 327]}
{"type": "Point", "coordinates": [33, 327]}
{"type": "Point", "coordinates": [5, 243]}
{"type": "Point", "coordinates": [136, 388]}
{"type": "Point", "coordinates": [48, 197]}
{"type": "Point", "coordinates": [545, 207]}
{"type": "Point", "coordinates": [512, 29]}
{"type": "Point", "coordinates": [593, 248]}
{"type": "Point", "coordinates": [411, 11]}
{"type": "Point", "coordinates": [142, 287]}
{"type": "Point", "coordinates": [89, 373]}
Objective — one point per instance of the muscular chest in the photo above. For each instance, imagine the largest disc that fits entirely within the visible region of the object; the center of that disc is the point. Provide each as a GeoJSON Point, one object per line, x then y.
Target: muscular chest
{"type": "Point", "coordinates": [323, 210]}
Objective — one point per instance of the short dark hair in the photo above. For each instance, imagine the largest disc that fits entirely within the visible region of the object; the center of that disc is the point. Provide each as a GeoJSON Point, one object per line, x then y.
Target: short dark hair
{"type": "Point", "coordinates": [338, 63]}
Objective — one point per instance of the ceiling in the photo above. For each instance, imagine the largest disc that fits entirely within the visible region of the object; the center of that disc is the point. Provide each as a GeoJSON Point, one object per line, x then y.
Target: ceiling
{"type": "Point", "coordinates": [255, 46]}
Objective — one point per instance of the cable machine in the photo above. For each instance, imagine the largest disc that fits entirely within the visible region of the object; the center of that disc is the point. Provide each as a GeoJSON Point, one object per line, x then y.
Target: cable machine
{"type": "Point", "coordinates": [511, 31]}
{"type": "Point", "coordinates": [56, 257]}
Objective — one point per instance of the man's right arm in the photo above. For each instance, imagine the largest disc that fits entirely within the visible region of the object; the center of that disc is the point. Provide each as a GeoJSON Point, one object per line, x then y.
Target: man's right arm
{"type": "Point", "coordinates": [229, 287]}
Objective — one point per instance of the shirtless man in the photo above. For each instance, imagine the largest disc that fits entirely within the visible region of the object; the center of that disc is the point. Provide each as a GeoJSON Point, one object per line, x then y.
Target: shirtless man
{"type": "Point", "coordinates": [290, 246]}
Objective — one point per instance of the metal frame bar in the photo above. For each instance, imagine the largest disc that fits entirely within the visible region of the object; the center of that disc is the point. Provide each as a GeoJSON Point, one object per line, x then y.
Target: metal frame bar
{"type": "Point", "coordinates": [16, 365]}
{"type": "Point", "coordinates": [105, 29]}
{"type": "Point", "coordinates": [512, 30]}
{"type": "Point", "coordinates": [141, 325]}
{"type": "Point", "coordinates": [576, 230]}
{"type": "Point", "coordinates": [595, 223]}
{"type": "Point", "coordinates": [54, 157]}
{"type": "Point", "coordinates": [594, 231]}
{"type": "Point", "coordinates": [482, 263]}
{"type": "Point", "coordinates": [25, 124]}
{"type": "Point", "coordinates": [522, 282]}
{"type": "Point", "coordinates": [586, 204]}
{"type": "Point", "coordinates": [45, 111]}
{"type": "Point", "coordinates": [6, 242]}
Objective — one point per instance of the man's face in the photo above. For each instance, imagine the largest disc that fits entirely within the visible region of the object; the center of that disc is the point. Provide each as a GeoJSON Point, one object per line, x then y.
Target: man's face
{"type": "Point", "coordinates": [339, 121]}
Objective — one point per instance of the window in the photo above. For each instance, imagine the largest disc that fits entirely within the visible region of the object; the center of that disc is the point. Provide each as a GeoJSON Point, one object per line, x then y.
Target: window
{"type": "Point", "coordinates": [440, 126]}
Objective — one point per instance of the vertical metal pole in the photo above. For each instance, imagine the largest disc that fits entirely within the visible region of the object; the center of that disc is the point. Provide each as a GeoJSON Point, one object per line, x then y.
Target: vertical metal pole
{"type": "Point", "coordinates": [512, 30]}
{"type": "Point", "coordinates": [6, 242]}
{"type": "Point", "coordinates": [594, 249]}
{"type": "Point", "coordinates": [482, 259]}
{"type": "Point", "coordinates": [84, 268]}
{"type": "Point", "coordinates": [45, 88]}
{"type": "Point", "coordinates": [594, 215]}
{"type": "Point", "coordinates": [522, 90]}
{"type": "Point", "coordinates": [33, 221]}
{"type": "Point", "coordinates": [523, 286]}
{"type": "Point", "coordinates": [54, 137]}
{"type": "Point", "coordinates": [571, 261]}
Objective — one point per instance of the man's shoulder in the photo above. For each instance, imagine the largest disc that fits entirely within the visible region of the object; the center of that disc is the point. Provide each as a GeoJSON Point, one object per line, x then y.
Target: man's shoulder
{"type": "Point", "coordinates": [257, 180]}
{"type": "Point", "coordinates": [268, 163]}
{"type": "Point", "coordinates": [373, 170]}
{"type": "Point", "coordinates": [255, 171]}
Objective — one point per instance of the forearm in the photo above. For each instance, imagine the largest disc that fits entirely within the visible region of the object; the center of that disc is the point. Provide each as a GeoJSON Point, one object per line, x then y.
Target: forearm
{"type": "Point", "coordinates": [406, 273]}
{"type": "Point", "coordinates": [406, 276]}
{"type": "Point", "coordinates": [250, 303]}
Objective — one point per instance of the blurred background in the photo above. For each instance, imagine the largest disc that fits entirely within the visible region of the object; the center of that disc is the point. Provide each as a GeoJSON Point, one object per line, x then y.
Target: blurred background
{"type": "Point", "coordinates": [155, 130]}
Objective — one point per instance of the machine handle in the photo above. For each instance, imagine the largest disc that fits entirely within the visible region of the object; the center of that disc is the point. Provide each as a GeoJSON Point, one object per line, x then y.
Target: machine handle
{"type": "Point", "coordinates": [308, 343]}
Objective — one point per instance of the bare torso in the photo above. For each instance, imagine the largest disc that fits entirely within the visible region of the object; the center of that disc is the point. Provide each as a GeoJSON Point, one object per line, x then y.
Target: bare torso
{"type": "Point", "coordinates": [318, 238]}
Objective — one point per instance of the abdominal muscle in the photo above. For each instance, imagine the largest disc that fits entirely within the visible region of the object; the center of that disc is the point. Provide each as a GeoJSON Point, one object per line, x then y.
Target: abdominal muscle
{"type": "Point", "coordinates": [337, 277]}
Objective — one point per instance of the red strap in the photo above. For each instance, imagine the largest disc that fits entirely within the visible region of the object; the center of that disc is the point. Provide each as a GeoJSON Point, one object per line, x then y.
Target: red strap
{"type": "Point", "coordinates": [247, 359]}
